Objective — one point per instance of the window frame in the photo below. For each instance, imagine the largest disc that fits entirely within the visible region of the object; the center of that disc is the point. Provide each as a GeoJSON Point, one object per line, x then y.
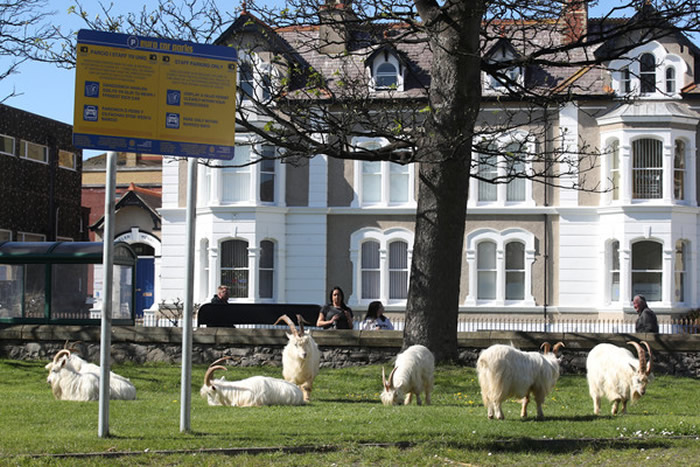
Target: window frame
{"type": "Point", "coordinates": [386, 173]}
{"type": "Point", "coordinates": [646, 171]}
{"type": "Point", "coordinates": [233, 294]}
{"type": "Point", "coordinates": [24, 148]}
{"type": "Point", "coordinates": [498, 148]}
{"type": "Point", "coordinates": [22, 237]}
{"type": "Point", "coordinates": [384, 239]}
{"type": "Point", "coordinates": [639, 271]}
{"type": "Point", "coordinates": [262, 268]}
{"type": "Point", "coordinates": [382, 58]}
{"type": "Point", "coordinates": [14, 145]}
{"type": "Point", "coordinates": [74, 160]}
{"type": "Point", "coordinates": [501, 239]}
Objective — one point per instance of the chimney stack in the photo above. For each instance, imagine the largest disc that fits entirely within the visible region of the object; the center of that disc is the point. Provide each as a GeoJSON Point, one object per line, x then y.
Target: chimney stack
{"type": "Point", "coordinates": [575, 20]}
{"type": "Point", "coordinates": [334, 31]}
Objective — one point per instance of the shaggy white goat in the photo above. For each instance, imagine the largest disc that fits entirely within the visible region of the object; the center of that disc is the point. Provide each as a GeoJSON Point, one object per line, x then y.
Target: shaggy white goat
{"type": "Point", "coordinates": [249, 392]}
{"type": "Point", "coordinates": [300, 358]}
{"type": "Point", "coordinates": [506, 372]}
{"type": "Point", "coordinates": [412, 374]}
{"type": "Point", "coordinates": [67, 383]}
{"type": "Point", "coordinates": [614, 373]}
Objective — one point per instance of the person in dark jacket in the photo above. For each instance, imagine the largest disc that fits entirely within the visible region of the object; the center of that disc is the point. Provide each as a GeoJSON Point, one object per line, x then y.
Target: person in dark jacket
{"type": "Point", "coordinates": [336, 314]}
{"type": "Point", "coordinates": [221, 296]}
{"type": "Point", "coordinates": [646, 322]}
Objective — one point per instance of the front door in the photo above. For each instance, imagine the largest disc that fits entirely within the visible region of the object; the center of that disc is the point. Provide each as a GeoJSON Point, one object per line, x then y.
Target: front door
{"type": "Point", "coordinates": [144, 285]}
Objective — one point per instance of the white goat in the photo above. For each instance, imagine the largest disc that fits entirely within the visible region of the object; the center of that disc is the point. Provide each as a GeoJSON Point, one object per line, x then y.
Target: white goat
{"type": "Point", "coordinates": [300, 358]}
{"type": "Point", "coordinates": [67, 383]}
{"type": "Point", "coordinates": [412, 374]}
{"type": "Point", "coordinates": [249, 392]}
{"type": "Point", "coordinates": [613, 372]}
{"type": "Point", "coordinates": [506, 372]}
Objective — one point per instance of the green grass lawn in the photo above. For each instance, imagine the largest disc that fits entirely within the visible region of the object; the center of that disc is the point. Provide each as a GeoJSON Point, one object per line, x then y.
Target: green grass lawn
{"type": "Point", "coordinates": [344, 424]}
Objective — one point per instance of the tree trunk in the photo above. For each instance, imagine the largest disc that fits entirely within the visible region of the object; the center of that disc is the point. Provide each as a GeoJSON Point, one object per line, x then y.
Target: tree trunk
{"type": "Point", "coordinates": [455, 98]}
{"type": "Point", "coordinates": [433, 296]}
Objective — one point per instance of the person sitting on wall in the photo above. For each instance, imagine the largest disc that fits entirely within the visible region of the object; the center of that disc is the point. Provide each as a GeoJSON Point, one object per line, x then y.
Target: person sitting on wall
{"type": "Point", "coordinates": [375, 319]}
{"type": "Point", "coordinates": [336, 314]}
{"type": "Point", "coordinates": [646, 322]}
{"type": "Point", "coordinates": [221, 297]}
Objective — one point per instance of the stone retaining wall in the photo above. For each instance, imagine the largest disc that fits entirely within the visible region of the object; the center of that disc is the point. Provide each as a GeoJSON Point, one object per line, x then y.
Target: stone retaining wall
{"type": "Point", "coordinates": [674, 354]}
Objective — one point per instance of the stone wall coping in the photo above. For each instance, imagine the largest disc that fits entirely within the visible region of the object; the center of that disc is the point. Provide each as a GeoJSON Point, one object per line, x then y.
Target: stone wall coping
{"type": "Point", "coordinates": [338, 338]}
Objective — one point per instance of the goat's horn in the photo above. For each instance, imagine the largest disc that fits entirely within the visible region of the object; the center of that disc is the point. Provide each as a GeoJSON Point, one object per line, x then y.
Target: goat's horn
{"type": "Point", "coordinates": [651, 357]}
{"type": "Point", "coordinates": [289, 322]}
{"type": "Point", "coordinates": [383, 377]}
{"type": "Point", "coordinates": [546, 346]}
{"type": "Point", "coordinates": [210, 371]}
{"type": "Point", "coordinates": [391, 378]}
{"type": "Point", "coordinates": [557, 346]}
{"type": "Point", "coordinates": [642, 357]}
{"type": "Point", "coordinates": [222, 359]}
{"type": "Point", "coordinates": [60, 354]}
{"type": "Point", "coordinates": [300, 320]}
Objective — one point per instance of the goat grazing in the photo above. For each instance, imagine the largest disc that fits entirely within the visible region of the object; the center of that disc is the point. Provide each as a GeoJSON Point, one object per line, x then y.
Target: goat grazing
{"type": "Point", "coordinates": [67, 383]}
{"type": "Point", "coordinates": [613, 372]}
{"type": "Point", "coordinates": [300, 357]}
{"type": "Point", "coordinates": [506, 372]}
{"type": "Point", "coordinates": [412, 374]}
{"type": "Point", "coordinates": [249, 392]}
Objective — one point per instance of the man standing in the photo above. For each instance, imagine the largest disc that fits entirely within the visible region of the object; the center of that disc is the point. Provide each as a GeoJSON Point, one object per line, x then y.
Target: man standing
{"type": "Point", "coordinates": [646, 322]}
{"type": "Point", "coordinates": [221, 296]}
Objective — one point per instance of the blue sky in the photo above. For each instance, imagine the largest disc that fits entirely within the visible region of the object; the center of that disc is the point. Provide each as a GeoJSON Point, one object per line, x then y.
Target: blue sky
{"type": "Point", "coordinates": [49, 91]}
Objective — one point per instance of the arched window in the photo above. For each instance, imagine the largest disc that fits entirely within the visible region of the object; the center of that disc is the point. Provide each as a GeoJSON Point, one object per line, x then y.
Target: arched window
{"type": "Point", "coordinates": [386, 76]}
{"type": "Point", "coordinates": [614, 271]}
{"type": "Point", "coordinates": [398, 270]}
{"type": "Point", "coordinates": [647, 269]}
{"type": "Point", "coordinates": [381, 262]}
{"type": "Point", "coordinates": [501, 171]}
{"type": "Point", "coordinates": [670, 80]}
{"type": "Point", "coordinates": [515, 271]}
{"type": "Point", "coordinates": [371, 273]}
{"type": "Point", "coordinates": [647, 73]}
{"type": "Point", "coordinates": [486, 271]}
{"type": "Point", "coordinates": [647, 174]}
{"type": "Point", "coordinates": [681, 271]}
{"type": "Point", "coordinates": [234, 267]}
{"type": "Point", "coordinates": [266, 269]}
{"type": "Point", "coordinates": [679, 170]}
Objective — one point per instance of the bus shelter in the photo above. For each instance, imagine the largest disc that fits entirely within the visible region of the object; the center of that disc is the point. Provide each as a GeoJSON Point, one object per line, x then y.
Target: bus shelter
{"type": "Point", "coordinates": [61, 283]}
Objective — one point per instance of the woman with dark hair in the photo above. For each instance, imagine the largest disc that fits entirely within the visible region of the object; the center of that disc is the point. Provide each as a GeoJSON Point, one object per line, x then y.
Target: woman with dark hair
{"type": "Point", "coordinates": [375, 319]}
{"type": "Point", "coordinates": [336, 314]}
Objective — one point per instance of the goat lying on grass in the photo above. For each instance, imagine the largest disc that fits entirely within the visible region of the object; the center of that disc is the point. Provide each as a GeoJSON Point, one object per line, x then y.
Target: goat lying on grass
{"type": "Point", "coordinates": [506, 372]}
{"type": "Point", "coordinates": [71, 378]}
{"type": "Point", "coordinates": [249, 392]}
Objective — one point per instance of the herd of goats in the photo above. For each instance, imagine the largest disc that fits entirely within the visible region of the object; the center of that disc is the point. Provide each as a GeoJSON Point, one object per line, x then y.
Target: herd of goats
{"type": "Point", "coordinates": [504, 372]}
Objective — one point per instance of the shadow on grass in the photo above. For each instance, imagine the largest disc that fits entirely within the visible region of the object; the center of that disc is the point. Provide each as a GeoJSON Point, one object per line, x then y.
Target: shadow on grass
{"type": "Point", "coordinates": [565, 446]}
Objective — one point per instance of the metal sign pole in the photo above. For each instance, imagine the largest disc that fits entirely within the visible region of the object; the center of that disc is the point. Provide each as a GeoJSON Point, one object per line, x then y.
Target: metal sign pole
{"type": "Point", "coordinates": [107, 286]}
{"type": "Point", "coordinates": [186, 378]}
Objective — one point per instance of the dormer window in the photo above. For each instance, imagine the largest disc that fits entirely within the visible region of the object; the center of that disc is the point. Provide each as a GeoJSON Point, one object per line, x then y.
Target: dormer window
{"type": "Point", "coordinates": [386, 73]}
{"type": "Point", "coordinates": [503, 78]}
{"type": "Point", "coordinates": [254, 80]}
{"type": "Point", "coordinates": [649, 71]}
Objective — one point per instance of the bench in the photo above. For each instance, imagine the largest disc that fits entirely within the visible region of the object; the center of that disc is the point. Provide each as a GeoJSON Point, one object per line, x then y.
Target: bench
{"type": "Point", "coordinates": [229, 315]}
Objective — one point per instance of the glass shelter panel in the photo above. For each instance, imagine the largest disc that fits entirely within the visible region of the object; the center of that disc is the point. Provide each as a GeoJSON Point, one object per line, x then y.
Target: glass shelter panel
{"type": "Point", "coordinates": [11, 290]}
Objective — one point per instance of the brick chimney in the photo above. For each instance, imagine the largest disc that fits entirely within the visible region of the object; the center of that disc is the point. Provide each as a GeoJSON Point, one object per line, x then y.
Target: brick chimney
{"type": "Point", "coordinates": [334, 31]}
{"type": "Point", "coordinates": [574, 20]}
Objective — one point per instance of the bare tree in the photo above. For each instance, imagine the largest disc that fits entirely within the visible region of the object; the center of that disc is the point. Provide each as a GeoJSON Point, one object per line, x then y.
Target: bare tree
{"type": "Point", "coordinates": [24, 30]}
{"type": "Point", "coordinates": [318, 98]}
